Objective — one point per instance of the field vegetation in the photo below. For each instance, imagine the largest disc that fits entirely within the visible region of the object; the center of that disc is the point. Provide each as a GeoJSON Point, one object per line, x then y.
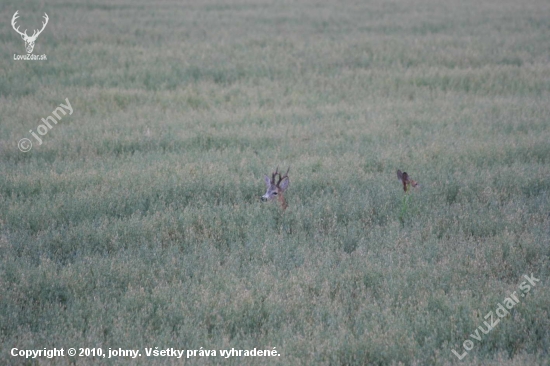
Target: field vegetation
{"type": "Point", "coordinates": [138, 222]}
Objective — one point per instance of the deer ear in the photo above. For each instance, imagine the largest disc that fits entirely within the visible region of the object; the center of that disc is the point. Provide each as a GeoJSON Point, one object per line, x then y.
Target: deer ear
{"type": "Point", "coordinates": [267, 181]}
{"type": "Point", "coordinates": [284, 184]}
{"type": "Point", "coordinates": [22, 36]}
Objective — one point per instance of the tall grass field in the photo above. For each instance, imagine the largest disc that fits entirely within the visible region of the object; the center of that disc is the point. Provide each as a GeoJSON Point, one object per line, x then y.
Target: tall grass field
{"type": "Point", "coordinates": [134, 223]}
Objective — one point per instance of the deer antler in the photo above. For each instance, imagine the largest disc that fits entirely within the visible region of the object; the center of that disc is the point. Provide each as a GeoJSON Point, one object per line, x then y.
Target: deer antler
{"type": "Point", "coordinates": [282, 177]}
{"type": "Point", "coordinates": [15, 16]}
{"type": "Point", "coordinates": [274, 174]}
{"type": "Point", "coordinates": [35, 34]}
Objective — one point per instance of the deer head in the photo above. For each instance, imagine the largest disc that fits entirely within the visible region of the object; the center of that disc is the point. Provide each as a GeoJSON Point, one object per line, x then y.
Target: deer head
{"type": "Point", "coordinates": [404, 178]}
{"type": "Point", "coordinates": [29, 41]}
{"type": "Point", "coordinates": [276, 187]}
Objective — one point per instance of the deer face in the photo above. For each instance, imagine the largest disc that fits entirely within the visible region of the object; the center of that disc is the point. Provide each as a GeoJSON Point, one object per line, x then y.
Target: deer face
{"type": "Point", "coordinates": [29, 43]}
{"type": "Point", "coordinates": [276, 187]}
{"type": "Point", "coordinates": [273, 191]}
{"type": "Point", "coordinates": [406, 180]}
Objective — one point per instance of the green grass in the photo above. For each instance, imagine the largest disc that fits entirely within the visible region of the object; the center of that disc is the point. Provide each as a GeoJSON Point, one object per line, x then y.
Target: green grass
{"type": "Point", "coordinates": [138, 222]}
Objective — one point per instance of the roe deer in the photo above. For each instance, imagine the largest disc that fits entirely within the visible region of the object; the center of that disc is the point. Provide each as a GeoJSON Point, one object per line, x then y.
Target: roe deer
{"type": "Point", "coordinates": [404, 177]}
{"type": "Point", "coordinates": [276, 189]}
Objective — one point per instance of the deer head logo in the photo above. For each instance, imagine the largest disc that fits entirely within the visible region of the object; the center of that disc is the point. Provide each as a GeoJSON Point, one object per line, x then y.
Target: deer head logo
{"type": "Point", "coordinates": [29, 41]}
{"type": "Point", "coordinates": [404, 178]}
{"type": "Point", "coordinates": [275, 189]}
